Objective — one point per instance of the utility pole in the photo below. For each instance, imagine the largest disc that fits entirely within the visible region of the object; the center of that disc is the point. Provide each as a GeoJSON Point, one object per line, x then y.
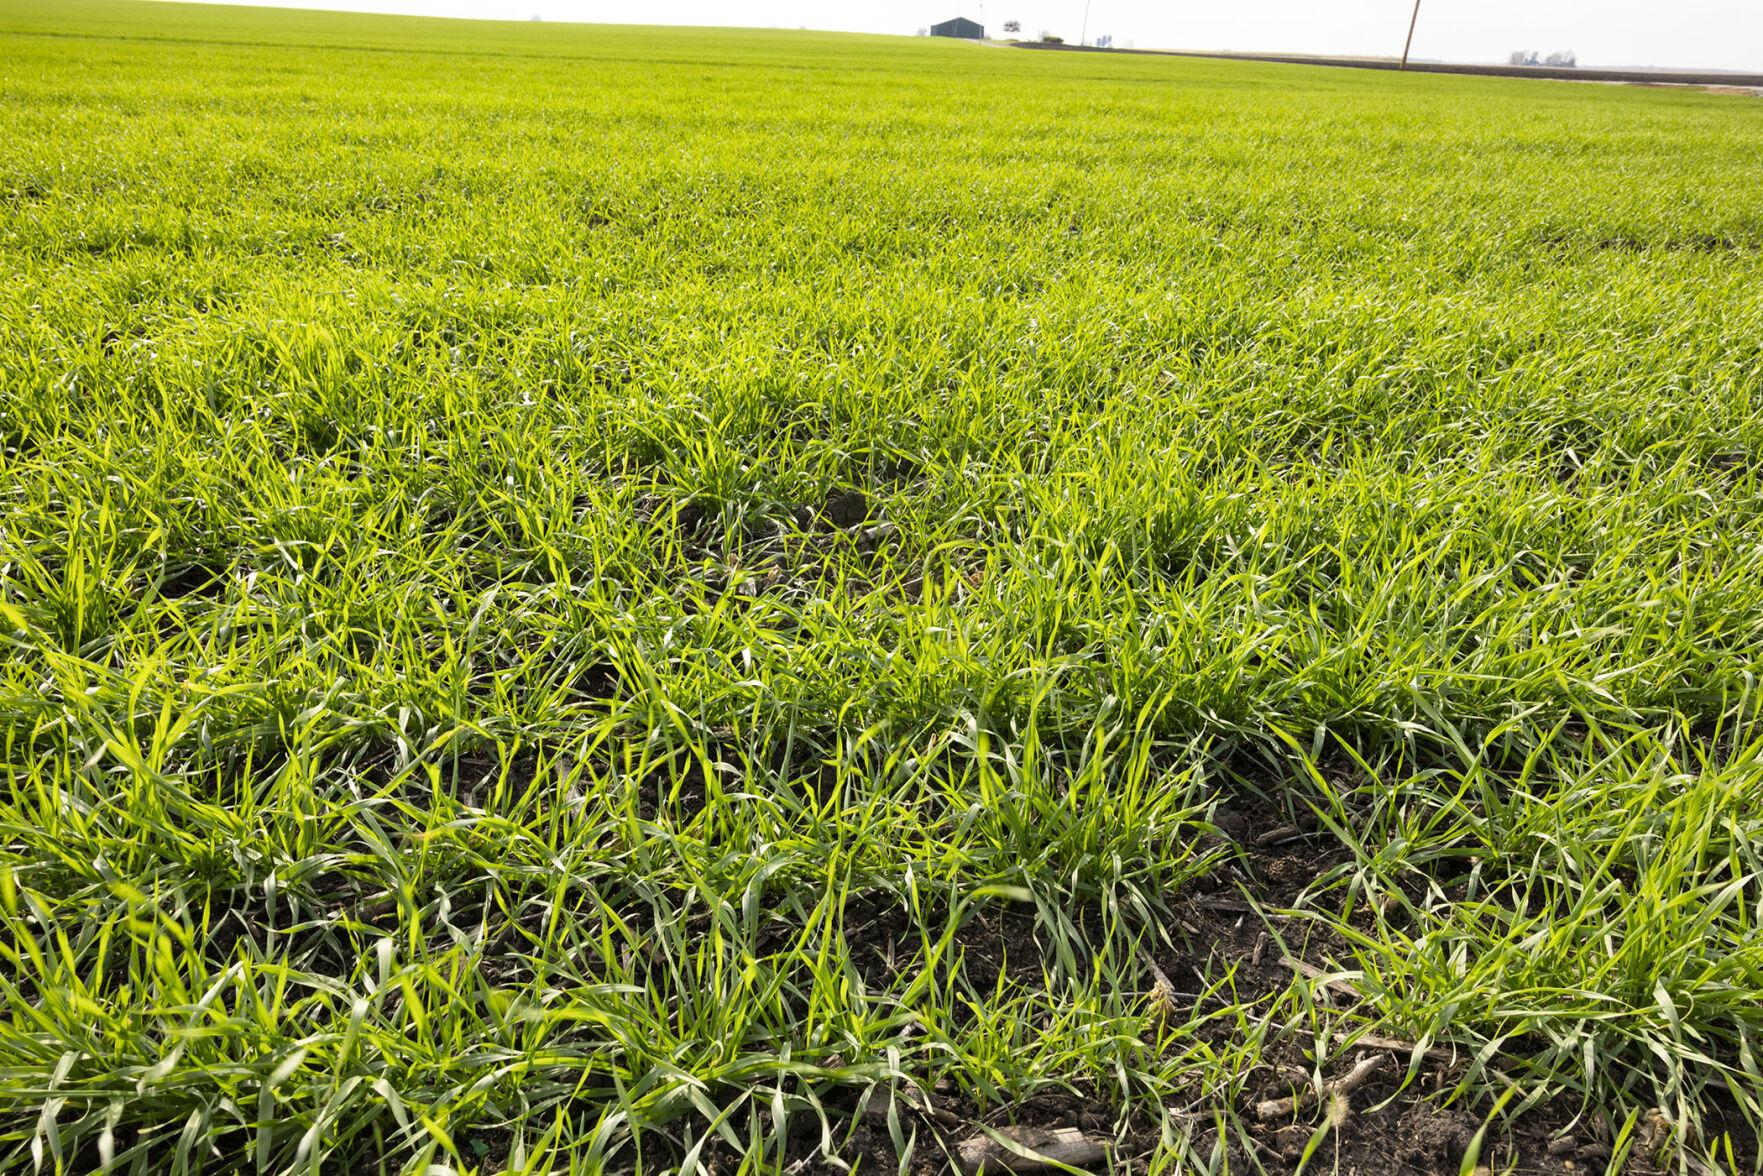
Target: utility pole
{"type": "Point", "coordinates": [1083, 37]}
{"type": "Point", "coordinates": [1409, 43]}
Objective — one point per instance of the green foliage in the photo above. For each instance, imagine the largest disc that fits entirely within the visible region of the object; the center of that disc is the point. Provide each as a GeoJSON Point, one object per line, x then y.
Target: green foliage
{"type": "Point", "coordinates": [527, 551]}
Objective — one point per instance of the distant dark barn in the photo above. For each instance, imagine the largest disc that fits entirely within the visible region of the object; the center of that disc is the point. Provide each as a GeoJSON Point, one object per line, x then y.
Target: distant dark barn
{"type": "Point", "coordinates": [959, 27]}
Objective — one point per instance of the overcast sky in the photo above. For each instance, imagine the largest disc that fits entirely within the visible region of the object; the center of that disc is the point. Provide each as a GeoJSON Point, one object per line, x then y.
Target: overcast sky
{"type": "Point", "coordinates": [1711, 34]}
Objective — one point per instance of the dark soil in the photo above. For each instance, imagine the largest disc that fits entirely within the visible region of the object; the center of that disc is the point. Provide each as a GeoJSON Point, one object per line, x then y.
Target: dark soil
{"type": "Point", "coordinates": [1232, 923]}
{"type": "Point", "coordinates": [1243, 923]}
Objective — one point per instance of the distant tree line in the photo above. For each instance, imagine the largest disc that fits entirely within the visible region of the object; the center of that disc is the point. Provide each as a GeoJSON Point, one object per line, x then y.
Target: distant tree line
{"type": "Point", "coordinates": [1013, 27]}
{"type": "Point", "coordinates": [1560, 59]}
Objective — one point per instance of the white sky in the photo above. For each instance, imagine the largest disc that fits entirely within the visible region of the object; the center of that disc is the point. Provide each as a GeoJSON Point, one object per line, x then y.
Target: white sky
{"type": "Point", "coordinates": [1711, 34]}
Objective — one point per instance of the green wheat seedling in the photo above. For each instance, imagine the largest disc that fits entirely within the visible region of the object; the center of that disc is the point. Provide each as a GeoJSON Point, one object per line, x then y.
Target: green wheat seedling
{"type": "Point", "coordinates": [588, 599]}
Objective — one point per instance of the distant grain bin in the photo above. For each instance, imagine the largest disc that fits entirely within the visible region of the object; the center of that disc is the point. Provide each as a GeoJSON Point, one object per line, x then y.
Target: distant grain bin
{"type": "Point", "coordinates": [959, 27]}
